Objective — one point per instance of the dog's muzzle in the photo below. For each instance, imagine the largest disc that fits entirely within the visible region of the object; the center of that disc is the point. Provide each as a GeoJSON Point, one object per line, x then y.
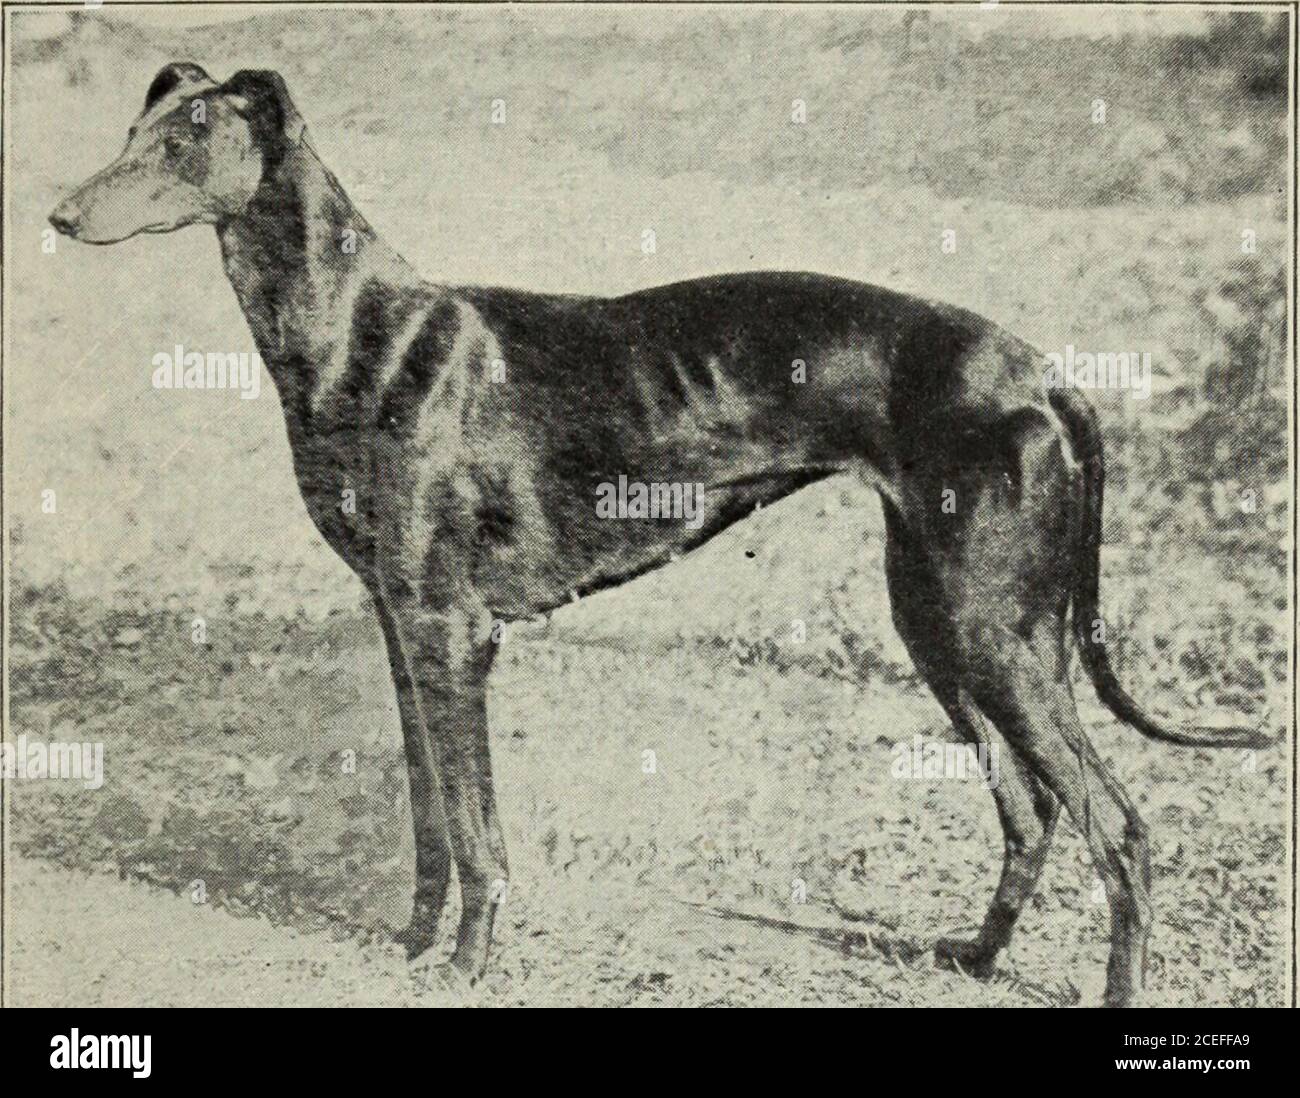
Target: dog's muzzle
{"type": "Point", "coordinates": [67, 218]}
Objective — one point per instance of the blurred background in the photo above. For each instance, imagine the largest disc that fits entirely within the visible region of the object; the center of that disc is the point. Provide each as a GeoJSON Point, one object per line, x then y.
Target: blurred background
{"type": "Point", "coordinates": [1112, 235]}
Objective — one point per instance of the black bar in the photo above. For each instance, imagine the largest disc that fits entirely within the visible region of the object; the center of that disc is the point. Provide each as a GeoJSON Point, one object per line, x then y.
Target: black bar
{"type": "Point", "coordinates": [1025, 1048]}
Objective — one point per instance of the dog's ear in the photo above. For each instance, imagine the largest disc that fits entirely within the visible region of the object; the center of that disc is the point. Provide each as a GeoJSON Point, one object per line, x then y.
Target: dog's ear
{"type": "Point", "coordinates": [173, 76]}
{"type": "Point", "coordinates": [261, 96]}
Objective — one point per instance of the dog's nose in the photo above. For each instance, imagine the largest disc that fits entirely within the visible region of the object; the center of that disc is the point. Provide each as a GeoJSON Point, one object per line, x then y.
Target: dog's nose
{"type": "Point", "coordinates": [66, 218]}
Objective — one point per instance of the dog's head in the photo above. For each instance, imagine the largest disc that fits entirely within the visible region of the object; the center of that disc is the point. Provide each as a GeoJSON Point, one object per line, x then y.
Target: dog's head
{"type": "Point", "coordinates": [196, 154]}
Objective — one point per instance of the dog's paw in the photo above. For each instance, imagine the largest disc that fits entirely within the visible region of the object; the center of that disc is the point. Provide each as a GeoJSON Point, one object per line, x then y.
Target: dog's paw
{"type": "Point", "coordinates": [973, 958]}
{"type": "Point", "coordinates": [416, 938]}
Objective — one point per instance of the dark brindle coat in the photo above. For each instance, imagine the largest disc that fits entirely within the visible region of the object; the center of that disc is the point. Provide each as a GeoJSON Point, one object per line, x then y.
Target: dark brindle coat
{"type": "Point", "coordinates": [476, 497]}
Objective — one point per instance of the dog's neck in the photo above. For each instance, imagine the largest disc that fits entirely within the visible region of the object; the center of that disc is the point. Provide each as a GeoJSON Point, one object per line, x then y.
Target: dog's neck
{"type": "Point", "coordinates": [295, 256]}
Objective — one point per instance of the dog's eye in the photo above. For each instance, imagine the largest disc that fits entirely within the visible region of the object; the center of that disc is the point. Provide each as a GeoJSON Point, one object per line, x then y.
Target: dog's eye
{"type": "Point", "coordinates": [172, 147]}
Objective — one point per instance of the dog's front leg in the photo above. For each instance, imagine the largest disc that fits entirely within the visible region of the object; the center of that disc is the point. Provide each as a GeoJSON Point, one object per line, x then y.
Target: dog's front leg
{"type": "Point", "coordinates": [432, 850]}
{"type": "Point", "coordinates": [449, 653]}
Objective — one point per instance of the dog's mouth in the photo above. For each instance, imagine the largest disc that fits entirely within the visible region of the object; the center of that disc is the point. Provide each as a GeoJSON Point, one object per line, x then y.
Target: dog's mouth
{"type": "Point", "coordinates": [101, 241]}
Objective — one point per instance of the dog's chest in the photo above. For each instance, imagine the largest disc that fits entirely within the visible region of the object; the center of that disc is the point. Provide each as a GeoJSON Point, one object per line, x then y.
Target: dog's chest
{"type": "Point", "coordinates": [333, 467]}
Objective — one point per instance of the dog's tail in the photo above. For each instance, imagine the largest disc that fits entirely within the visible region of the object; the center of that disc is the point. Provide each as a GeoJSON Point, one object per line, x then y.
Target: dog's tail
{"type": "Point", "coordinates": [1085, 438]}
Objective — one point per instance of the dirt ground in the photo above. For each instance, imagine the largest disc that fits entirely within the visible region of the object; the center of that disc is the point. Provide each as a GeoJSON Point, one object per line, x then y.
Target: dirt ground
{"type": "Point", "coordinates": [672, 887]}
{"type": "Point", "coordinates": [251, 842]}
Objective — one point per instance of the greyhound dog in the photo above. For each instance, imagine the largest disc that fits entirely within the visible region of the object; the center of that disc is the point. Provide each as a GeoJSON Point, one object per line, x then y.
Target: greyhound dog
{"type": "Point", "coordinates": [475, 428]}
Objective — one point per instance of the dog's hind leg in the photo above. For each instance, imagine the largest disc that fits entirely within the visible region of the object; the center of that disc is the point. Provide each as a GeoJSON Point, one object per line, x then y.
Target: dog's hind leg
{"type": "Point", "coordinates": [1026, 808]}
{"type": "Point", "coordinates": [1036, 713]}
{"type": "Point", "coordinates": [1005, 566]}
{"type": "Point", "coordinates": [1028, 812]}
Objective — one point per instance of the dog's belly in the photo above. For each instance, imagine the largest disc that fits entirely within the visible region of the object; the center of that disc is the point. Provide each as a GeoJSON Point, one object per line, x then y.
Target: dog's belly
{"type": "Point", "coordinates": [609, 497]}
{"type": "Point", "coordinates": [630, 527]}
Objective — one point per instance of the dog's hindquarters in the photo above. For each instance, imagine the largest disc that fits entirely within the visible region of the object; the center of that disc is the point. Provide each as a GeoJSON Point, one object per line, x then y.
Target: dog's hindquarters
{"type": "Point", "coordinates": [991, 538]}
